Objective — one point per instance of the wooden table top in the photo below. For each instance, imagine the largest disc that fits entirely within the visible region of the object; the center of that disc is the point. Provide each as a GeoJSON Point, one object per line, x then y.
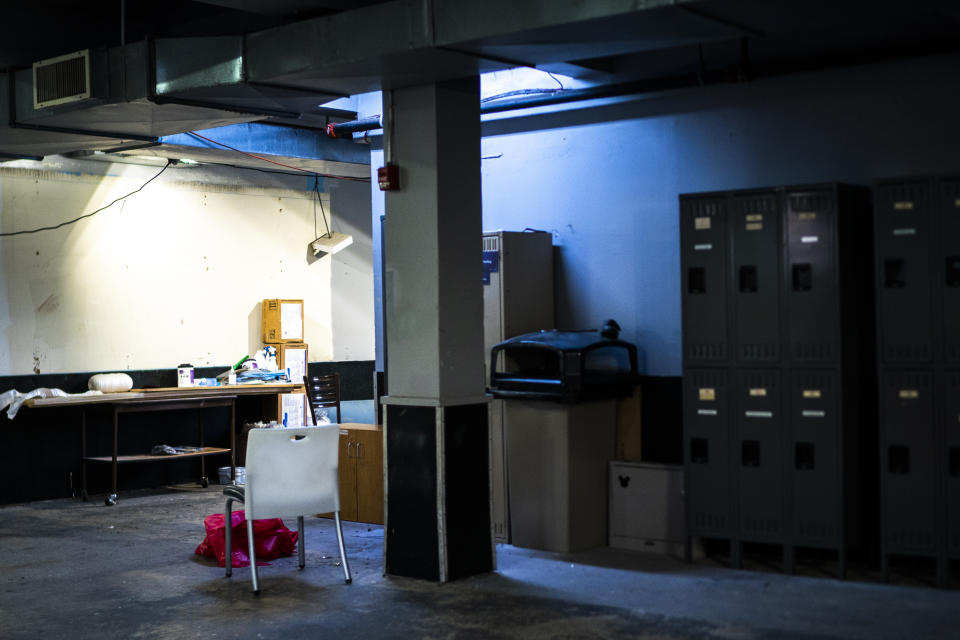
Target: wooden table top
{"type": "Point", "coordinates": [167, 393]}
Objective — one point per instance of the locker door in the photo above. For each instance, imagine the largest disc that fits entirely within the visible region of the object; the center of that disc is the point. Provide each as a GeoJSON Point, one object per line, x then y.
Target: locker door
{"type": "Point", "coordinates": [907, 462]}
{"type": "Point", "coordinates": [759, 456]}
{"type": "Point", "coordinates": [703, 254]}
{"type": "Point", "coordinates": [707, 452]}
{"type": "Point", "coordinates": [951, 451]}
{"type": "Point", "coordinates": [949, 267]}
{"type": "Point", "coordinates": [814, 459]}
{"type": "Point", "coordinates": [756, 277]}
{"type": "Point", "coordinates": [904, 234]}
{"type": "Point", "coordinates": [811, 281]}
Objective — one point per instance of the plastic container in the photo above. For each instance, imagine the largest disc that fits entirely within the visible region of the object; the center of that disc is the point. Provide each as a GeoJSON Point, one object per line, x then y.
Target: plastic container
{"type": "Point", "coordinates": [240, 475]}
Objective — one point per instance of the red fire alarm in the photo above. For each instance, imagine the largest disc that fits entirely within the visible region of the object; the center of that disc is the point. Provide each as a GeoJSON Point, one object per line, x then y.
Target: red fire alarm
{"type": "Point", "coordinates": [389, 177]}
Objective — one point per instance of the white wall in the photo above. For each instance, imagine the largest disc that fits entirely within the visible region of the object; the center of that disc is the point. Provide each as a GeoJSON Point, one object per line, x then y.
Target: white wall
{"type": "Point", "coordinates": [172, 274]}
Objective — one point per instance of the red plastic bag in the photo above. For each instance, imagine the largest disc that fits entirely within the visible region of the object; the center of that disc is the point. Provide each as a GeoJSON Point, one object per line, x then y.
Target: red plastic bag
{"type": "Point", "coordinates": [271, 539]}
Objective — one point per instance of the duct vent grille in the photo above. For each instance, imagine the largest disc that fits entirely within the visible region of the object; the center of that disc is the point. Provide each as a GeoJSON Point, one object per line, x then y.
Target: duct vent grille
{"type": "Point", "coordinates": [62, 79]}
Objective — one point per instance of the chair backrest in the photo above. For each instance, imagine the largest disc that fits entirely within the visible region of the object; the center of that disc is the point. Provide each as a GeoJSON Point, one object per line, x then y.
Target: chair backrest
{"type": "Point", "coordinates": [292, 471]}
{"type": "Point", "coordinates": [323, 391]}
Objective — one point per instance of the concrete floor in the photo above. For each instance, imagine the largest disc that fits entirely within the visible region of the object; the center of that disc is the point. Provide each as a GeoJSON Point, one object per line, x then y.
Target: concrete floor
{"type": "Point", "coordinates": [70, 569]}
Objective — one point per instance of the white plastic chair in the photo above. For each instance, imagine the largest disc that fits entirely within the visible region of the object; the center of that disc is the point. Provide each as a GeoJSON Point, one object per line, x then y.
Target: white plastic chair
{"type": "Point", "coordinates": [289, 472]}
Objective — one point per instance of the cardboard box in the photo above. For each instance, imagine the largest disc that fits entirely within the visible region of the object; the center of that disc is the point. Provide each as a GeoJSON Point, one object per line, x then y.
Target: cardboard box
{"type": "Point", "coordinates": [281, 320]}
{"type": "Point", "coordinates": [293, 356]}
{"type": "Point", "coordinates": [629, 427]}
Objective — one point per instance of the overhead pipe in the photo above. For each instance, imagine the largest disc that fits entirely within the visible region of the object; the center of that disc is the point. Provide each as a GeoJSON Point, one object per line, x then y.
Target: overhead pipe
{"type": "Point", "coordinates": [343, 129]}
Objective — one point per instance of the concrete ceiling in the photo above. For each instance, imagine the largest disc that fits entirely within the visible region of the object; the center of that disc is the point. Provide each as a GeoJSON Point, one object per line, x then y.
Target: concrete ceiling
{"type": "Point", "coordinates": [294, 49]}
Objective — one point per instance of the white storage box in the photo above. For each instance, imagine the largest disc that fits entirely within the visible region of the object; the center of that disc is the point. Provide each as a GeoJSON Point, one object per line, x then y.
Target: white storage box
{"type": "Point", "coordinates": [647, 507]}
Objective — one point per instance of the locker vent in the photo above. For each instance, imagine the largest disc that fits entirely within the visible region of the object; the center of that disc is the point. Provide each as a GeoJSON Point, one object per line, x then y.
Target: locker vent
{"type": "Point", "coordinates": [61, 80]}
{"type": "Point", "coordinates": [707, 380]}
{"type": "Point", "coordinates": [813, 530]}
{"type": "Point", "coordinates": [710, 522]}
{"type": "Point", "coordinates": [814, 381]}
{"type": "Point", "coordinates": [907, 353]}
{"type": "Point", "coordinates": [809, 202]}
{"type": "Point", "coordinates": [911, 539]}
{"type": "Point", "coordinates": [762, 352]}
{"type": "Point", "coordinates": [898, 381]}
{"type": "Point", "coordinates": [760, 380]}
{"type": "Point", "coordinates": [708, 351]}
{"type": "Point", "coordinates": [761, 526]}
{"type": "Point", "coordinates": [813, 352]}
{"type": "Point", "coordinates": [953, 352]}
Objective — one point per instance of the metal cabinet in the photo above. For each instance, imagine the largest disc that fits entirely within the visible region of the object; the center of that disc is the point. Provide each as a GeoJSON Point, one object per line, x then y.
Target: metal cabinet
{"type": "Point", "coordinates": [517, 299]}
{"type": "Point", "coordinates": [756, 252]}
{"type": "Point", "coordinates": [707, 452]}
{"type": "Point", "coordinates": [904, 229]}
{"type": "Point", "coordinates": [950, 460]}
{"type": "Point", "coordinates": [704, 260]}
{"type": "Point", "coordinates": [908, 462]}
{"type": "Point", "coordinates": [759, 456]}
{"type": "Point", "coordinates": [948, 265]}
{"type": "Point", "coordinates": [815, 460]}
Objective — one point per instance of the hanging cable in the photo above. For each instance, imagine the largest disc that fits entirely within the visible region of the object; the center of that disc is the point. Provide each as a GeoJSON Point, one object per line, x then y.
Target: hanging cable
{"type": "Point", "coordinates": [316, 189]}
{"type": "Point", "coordinates": [92, 213]}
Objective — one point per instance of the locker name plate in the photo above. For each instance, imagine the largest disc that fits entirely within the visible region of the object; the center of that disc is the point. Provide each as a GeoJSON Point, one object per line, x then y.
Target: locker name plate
{"type": "Point", "coordinates": [754, 217]}
{"type": "Point", "coordinates": [758, 392]}
{"type": "Point", "coordinates": [812, 413]}
{"type": "Point", "coordinates": [903, 205]}
{"type": "Point", "coordinates": [707, 394]}
{"type": "Point", "coordinates": [809, 239]}
{"type": "Point", "coordinates": [754, 226]}
{"type": "Point", "coordinates": [706, 412]}
{"type": "Point", "coordinates": [702, 247]}
{"type": "Point", "coordinates": [909, 394]}
{"type": "Point", "coordinates": [701, 222]}
{"type": "Point", "coordinates": [807, 215]}
{"type": "Point", "coordinates": [811, 393]}
{"type": "Point", "coordinates": [905, 232]}
{"type": "Point", "coordinates": [758, 414]}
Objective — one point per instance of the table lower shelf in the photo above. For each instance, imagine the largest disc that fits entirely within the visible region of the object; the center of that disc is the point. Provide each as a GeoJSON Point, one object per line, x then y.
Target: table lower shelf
{"type": "Point", "coordinates": [205, 451]}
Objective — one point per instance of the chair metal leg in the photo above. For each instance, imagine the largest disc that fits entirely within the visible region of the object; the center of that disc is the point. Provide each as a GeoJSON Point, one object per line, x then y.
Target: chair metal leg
{"type": "Point", "coordinates": [343, 551]}
{"type": "Point", "coordinates": [227, 535]}
{"type": "Point", "coordinates": [300, 542]}
{"type": "Point", "coordinates": [253, 557]}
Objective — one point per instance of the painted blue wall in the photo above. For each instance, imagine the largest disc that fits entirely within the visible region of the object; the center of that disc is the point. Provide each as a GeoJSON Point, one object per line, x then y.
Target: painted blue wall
{"type": "Point", "coordinates": [604, 177]}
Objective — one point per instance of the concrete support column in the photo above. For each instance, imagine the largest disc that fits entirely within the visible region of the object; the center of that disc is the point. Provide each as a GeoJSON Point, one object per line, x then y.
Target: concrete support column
{"type": "Point", "coordinates": [438, 507]}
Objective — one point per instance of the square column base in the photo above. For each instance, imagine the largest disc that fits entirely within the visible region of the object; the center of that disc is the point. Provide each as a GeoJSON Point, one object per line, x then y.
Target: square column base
{"type": "Point", "coordinates": [438, 492]}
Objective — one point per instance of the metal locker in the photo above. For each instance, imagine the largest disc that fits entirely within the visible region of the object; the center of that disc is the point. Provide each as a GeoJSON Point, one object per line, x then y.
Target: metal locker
{"type": "Point", "coordinates": [706, 426]}
{"type": "Point", "coordinates": [755, 220]}
{"type": "Point", "coordinates": [811, 280]}
{"type": "Point", "coordinates": [758, 456]}
{"type": "Point", "coordinates": [904, 233]}
{"type": "Point", "coordinates": [703, 257]}
{"type": "Point", "coordinates": [814, 459]}
{"type": "Point", "coordinates": [907, 461]}
{"type": "Point", "coordinates": [949, 267]}
{"type": "Point", "coordinates": [951, 459]}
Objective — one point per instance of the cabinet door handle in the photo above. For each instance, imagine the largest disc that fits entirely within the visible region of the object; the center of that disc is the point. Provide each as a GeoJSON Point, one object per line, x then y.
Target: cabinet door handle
{"type": "Point", "coordinates": [358, 449]}
{"type": "Point", "coordinates": [349, 444]}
